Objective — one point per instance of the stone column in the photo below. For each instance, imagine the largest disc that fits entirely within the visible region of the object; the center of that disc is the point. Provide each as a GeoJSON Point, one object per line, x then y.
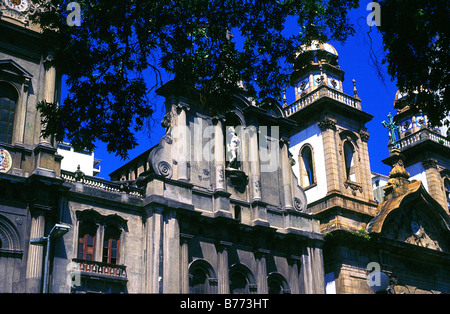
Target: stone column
{"type": "Point", "coordinates": [184, 262]}
{"type": "Point", "coordinates": [99, 238]}
{"type": "Point", "coordinates": [255, 170]}
{"type": "Point", "coordinates": [364, 166]}
{"type": "Point", "coordinates": [328, 127]}
{"type": "Point", "coordinates": [21, 110]}
{"type": "Point", "coordinates": [317, 269]}
{"type": "Point", "coordinates": [306, 273]}
{"type": "Point", "coordinates": [49, 87]}
{"type": "Point", "coordinates": [261, 268]}
{"type": "Point", "coordinates": [171, 253]}
{"type": "Point", "coordinates": [286, 173]}
{"type": "Point", "coordinates": [219, 155]}
{"type": "Point", "coordinates": [35, 254]}
{"type": "Point", "coordinates": [153, 266]}
{"type": "Point", "coordinates": [294, 263]}
{"type": "Point", "coordinates": [223, 275]}
{"type": "Point", "coordinates": [221, 196]}
{"type": "Point", "coordinates": [182, 147]}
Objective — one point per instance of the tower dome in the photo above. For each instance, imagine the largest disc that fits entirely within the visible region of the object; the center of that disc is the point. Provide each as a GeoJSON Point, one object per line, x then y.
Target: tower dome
{"type": "Point", "coordinates": [316, 64]}
{"type": "Point", "coordinates": [317, 46]}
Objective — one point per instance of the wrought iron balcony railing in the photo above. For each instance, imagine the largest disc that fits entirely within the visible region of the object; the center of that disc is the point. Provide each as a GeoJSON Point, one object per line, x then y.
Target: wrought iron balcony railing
{"type": "Point", "coordinates": [100, 268]}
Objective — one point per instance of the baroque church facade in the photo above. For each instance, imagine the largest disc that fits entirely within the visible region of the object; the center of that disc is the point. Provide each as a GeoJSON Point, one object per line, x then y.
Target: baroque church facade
{"type": "Point", "coordinates": [275, 198]}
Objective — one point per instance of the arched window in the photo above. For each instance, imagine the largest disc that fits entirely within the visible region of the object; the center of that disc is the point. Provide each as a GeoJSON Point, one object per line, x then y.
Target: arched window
{"type": "Point", "coordinates": [111, 246]}
{"type": "Point", "coordinates": [8, 100]}
{"type": "Point", "coordinates": [9, 238]}
{"type": "Point", "coordinates": [86, 241]}
{"type": "Point", "coordinates": [242, 280]}
{"type": "Point", "coordinates": [306, 161]}
{"type": "Point", "coordinates": [198, 283]}
{"type": "Point", "coordinates": [201, 277]}
{"type": "Point", "coordinates": [277, 284]}
{"type": "Point", "coordinates": [350, 168]}
{"type": "Point", "coordinates": [238, 283]}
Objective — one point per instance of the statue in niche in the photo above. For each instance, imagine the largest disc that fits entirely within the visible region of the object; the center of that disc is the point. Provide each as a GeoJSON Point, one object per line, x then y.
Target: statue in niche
{"type": "Point", "coordinates": [233, 146]}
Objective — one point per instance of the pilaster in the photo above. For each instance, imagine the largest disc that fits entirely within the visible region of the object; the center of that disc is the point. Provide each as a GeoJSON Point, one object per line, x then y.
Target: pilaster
{"type": "Point", "coordinates": [328, 127]}
{"type": "Point", "coordinates": [219, 155]}
{"type": "Point", "coordinates": [223, 277]}
{"type": "Point", "coordinates": [182, 141]}
{"type": "Point", "coordinates": [255, 170]}
{"type": "Point", "coordinates": [35, 253]}
{"type": "Point", "coordinates": [184, 262]}
{"type": "Point", "coordinates": [171, 253]}
{"type": "Point", "coordinates": [261, 269]}
{"type": "Point", "coordinates": [286, 173]}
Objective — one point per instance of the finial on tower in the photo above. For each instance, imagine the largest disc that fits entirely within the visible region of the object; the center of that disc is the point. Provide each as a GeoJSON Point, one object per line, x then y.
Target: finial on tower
{"type": "Point", "coordinates": [355, 91]}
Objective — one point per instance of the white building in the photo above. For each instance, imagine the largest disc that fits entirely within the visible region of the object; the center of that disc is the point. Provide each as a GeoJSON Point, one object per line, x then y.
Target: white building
{"type": "Point", "coordinates": [72, 159]}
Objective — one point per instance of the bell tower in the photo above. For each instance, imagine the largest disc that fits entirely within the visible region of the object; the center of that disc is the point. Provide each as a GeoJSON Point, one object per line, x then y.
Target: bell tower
{"type": "Point", "coordinates": [329, 147]}
{"type": "Point", "coordinates": [330, 144]}
{"type": "Point", "coordinates": [426, 149]}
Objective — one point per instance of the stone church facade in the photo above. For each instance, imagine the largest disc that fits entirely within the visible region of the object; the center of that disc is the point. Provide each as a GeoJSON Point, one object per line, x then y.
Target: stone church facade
{"type": "Point", "coordinates": [275, 198]}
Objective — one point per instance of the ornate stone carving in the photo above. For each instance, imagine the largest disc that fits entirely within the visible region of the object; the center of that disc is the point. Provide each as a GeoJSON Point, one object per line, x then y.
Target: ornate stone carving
{"type": "Point", "coordinates": [398, 177]}
{"type": "Point", "coordinates": [233, 148]}
{"type": "Point", "coordinates": [237, 179]}
{"type": "Point", "coordinates": [298, 204]}
{"type": "Point", "coordinates": [430, 163]}
{"type": "Point", "coordinates": [79, 175]}
{"type": "Point", "coordinates": [327, 123]}
{"type": "Point", "coordinates": [165, 169]}
{"type": "Point", "coordinates": [364, 135]}
{"type": "Point", "coordinates": [353, 186]}
{"type": "Point", "coordinates": [18, 10]}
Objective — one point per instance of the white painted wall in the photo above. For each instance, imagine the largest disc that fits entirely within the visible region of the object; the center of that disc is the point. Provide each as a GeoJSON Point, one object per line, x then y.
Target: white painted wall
{"type": "Point", "coordinates": [312, 136]}
{"type": "Point", "coordinates": [330, 284]}
{"type": "Point", "coordinates": [417, 172]}
{"type": "Point", "coordinates": [72, 159]}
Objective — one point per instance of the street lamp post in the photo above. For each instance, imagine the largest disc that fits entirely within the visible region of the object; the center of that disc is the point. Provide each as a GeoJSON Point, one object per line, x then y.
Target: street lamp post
{"type": "Point", "coordinates": [57, 231]}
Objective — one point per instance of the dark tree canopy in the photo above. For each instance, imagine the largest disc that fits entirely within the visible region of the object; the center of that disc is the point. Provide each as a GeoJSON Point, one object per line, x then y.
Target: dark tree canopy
{"type": "Point", "coordinates": [417, 44]}
{"type": "Point", "coordinates": [120, 44]}
{"type": "Point", "coordinates": [115, 59]}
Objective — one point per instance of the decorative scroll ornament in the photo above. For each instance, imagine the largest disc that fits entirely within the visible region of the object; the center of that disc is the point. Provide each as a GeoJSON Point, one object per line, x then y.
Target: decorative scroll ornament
{"type": "Point", "coordinates": [297, 204]}
{"type": "Point", "coordinates": [165, 169]}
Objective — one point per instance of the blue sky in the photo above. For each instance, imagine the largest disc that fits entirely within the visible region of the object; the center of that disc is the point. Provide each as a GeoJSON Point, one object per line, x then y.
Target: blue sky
{"type": "Point", "coordinates": [377, 95]}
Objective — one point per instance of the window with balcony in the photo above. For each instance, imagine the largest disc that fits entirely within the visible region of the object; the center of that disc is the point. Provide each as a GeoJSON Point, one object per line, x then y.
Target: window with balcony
{"type": "Point", "coordinates": [86, 241]}
{"type": "Point", "coordinates": [111, 246]}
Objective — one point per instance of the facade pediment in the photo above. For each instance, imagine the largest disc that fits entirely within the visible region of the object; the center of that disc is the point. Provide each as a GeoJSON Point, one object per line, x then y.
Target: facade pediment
{"type": "Point", "coordinates": [12, 68]}
{"type": "Point", "coordinates": [414, 218]}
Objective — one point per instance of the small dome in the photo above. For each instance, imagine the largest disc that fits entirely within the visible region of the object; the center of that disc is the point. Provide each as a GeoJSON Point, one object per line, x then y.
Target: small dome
{"type": "Point", "coordinates": [315, 45]}
{"type": "Point", "coordinates": [399, 95]}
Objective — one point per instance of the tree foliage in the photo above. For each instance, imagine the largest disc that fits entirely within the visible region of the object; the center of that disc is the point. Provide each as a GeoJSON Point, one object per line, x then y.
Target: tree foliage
{"type": "Point", "coordinates": [417, 44]}
{"type": "Point", "coordinates": [114, 60]}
